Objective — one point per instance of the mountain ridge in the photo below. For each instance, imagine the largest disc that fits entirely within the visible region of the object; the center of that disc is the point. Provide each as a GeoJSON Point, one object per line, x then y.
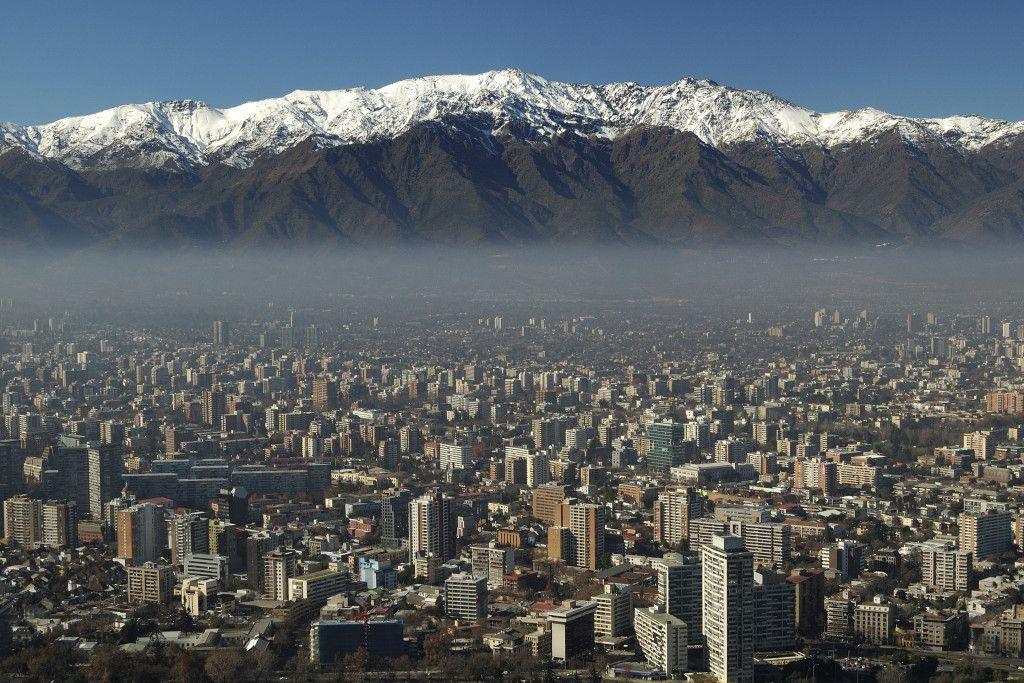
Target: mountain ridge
{"type": "Point", "coordinates": [190, 132]}
{"type": "Point", "coordinates": [507, 156]}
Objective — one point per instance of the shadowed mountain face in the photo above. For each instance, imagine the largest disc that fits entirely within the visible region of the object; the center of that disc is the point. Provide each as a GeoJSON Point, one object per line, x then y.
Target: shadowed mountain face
{"type": "Point", "coordinates": [454, 182]}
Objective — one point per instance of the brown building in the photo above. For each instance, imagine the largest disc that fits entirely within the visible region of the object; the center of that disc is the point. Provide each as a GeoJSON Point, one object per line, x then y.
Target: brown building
{"type": "Point", "coordinates": [512, 538]}
{"type": "Point", "coordinates": [558, 543]}
{"type": "Point", "coordinates": [325, 393]}
{"type": "Point", "coordinates": [1005, 402]}
{"type": "Point", "coordinates": [150, 582]}
{"type": "Point", "coordinates": [809, 600]}
{"type": "Point", "coordinates": [547, 503]}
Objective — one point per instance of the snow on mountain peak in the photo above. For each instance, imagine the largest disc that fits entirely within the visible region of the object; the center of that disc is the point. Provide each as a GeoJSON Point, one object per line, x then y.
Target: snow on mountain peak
{"type": "Point", "coordinates": [189, 133]}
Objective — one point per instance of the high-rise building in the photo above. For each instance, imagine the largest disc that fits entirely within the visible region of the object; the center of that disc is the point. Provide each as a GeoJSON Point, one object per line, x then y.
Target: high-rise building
{"type": "Point", "coordinates": [141, 532]}
{"type": "Point", "coordinates": [492, 561]}
{"type": "Point", "coordinates": [215, 405]}
{"type": "Point", "coordinates": [325, 393]}
{"type": "Point", "coordinates": [667, 445]}
{"type": "Point", "coordinates": [572, 630]}
{"type": "Point", "coordinates": [394, 516]}
{"type": "Point", "coordinates": [387, 454]}
{"type": "Point", "coordinates": [455, 456]}
{"type": "Point", "coordinates": [106, 471]}
{"type": "Point", "coordinates": [662, 638]}
{"type": "Point", "coordinates": [769, 543]}
{"type": "Point", "coordinates": [809, 599]}
{"type": "Point", "coordinates": [256, 546]}
{"type": "Point", "coordinates": [680, 589]}
{"type": "Point", "coordinates": [774, 610]}
{"type": "Point", "coordinates": [221, 333]}
{"type": "Point", "coordinates": [986, 534]}
{"type": "Point", "coordinates": [1005, 402]}
{"type": "Point", "coordinates": [945, 568]}
{"type": "Point", "coordinates": [72, 465]}
{"type": "Point", "coordinates": [206, 566]}
{"type": "Point", "coordinates": [60, 523]}
{"type": "Point", "coordinates": [23, 521]}
{"type": "Point", "coordinates": [546, 432]}
{"type": "Point", "coordinates": [465, 597]}
{"type": "Point", "coordinates": [845, 557]}
{"type": "Point", "coordinates": [547, 503]}
{"type": "Point", "coordinates": [432, 526]}
{"type": "Point", "coordinates": [673, 511]}
{"type": "Point", "coordinates": [614, 614]}
{"type": "Point", "coordinates": [12, 461]}
{"type": "Point", "coordinates": [189, 534]}
{"type": "Point", "coordinates": [279, 565]}
{"type": "Point", "coordinates": [728, 609]}
{"type": "Point", "coordinates": [150, 583]}
{"type": "Point", "coordinates": [586, 523]}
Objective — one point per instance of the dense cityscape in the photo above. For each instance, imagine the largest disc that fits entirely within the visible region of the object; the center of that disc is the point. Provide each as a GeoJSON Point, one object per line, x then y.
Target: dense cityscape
{"type": "Point", "coordinates": [637, 492]}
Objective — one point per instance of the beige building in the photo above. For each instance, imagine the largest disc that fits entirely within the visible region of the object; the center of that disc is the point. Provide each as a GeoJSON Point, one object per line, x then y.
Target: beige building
{"type": "Point", "coordinates": [945, 568]}
{"type": "Point", "coordinates": [728, 606]}
{"type": "Point", "coordinates": [614, 614]}
{"type": "Point", "coordinates": [663, 640]}
{"type": "Point", "coordinates": [151, 582]}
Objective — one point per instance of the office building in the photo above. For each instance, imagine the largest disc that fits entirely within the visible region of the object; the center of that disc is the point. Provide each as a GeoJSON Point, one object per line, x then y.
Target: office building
{"type": "Point", "coordinates": [394, 516]}
{"type": "Point", "coordinates": [196, 594]}
{"type": "Point", "coordinates": [465, 597]}
{"type": "Point", "coordinates": [376, 572]}
{"type": "Point", "coordinates": [667, 445]}
{"type": "Point", "coordinates": [206, 566]}
{"type": "Point", "coordinates": [189, 535]}
{"type": "Point", "coordinates": [331, 641]}
{"type": "Point", "coordinates": [572, 630]}
{"type": "Point", "coordinates": [316, 587]}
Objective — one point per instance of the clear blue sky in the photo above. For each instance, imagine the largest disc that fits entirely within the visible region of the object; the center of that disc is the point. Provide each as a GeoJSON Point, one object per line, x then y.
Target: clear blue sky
{"type": "Point", "coordinates": [908, 57]}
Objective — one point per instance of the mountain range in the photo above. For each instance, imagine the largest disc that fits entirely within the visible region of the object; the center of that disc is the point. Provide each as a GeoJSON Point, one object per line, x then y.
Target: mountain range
{"type": "Point", "coordinates": [509, 157]}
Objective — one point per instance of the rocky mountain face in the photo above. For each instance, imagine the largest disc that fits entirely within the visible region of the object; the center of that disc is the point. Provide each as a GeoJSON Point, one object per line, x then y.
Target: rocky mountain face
{"type": "Point", "coordinates": [509, 157]}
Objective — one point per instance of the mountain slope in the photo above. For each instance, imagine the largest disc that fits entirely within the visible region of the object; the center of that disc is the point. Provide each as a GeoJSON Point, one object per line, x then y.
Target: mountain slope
{"type": "Point", "coordinates": [509, 157]}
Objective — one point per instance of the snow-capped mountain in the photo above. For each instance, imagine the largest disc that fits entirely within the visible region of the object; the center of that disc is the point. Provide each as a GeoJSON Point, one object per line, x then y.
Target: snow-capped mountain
{"type": "Point", "coordinates": [509, 157]}
{"type": "Point", "coordinates": [189, 134]}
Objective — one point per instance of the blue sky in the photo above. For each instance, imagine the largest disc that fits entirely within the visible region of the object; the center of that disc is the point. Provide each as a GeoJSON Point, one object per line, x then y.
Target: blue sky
{"type": "Point", "coordinates": [908, 57]}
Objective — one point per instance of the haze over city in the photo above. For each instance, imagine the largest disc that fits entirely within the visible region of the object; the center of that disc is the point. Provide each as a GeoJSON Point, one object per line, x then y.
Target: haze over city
{"type": "Point", "coordinates": [488, 342]}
